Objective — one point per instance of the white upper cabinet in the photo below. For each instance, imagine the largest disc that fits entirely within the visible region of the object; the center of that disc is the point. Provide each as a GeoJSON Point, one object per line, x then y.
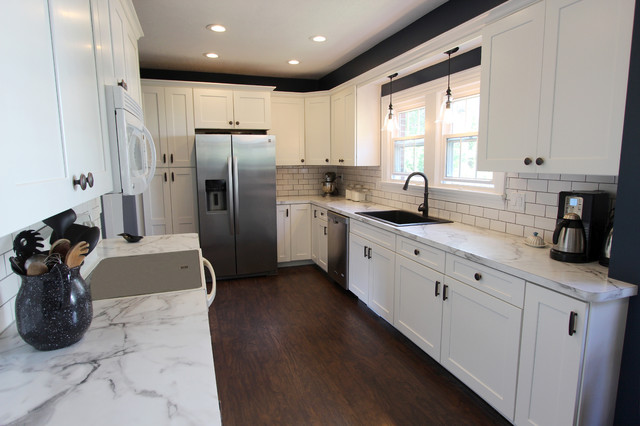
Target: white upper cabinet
{"type": "Point", "coordinates": [126, 31]}
{"type": "Point", "coordinates": [343, 127]}
{"type": "Point", "coordinates": [317, 128]}
{"type": "Point", "coordinates": [230, 109]}
{"type": "Point", "coordinates": [54, 121]}
{"type": "Point", "coordinates": [287, 124]}
{"type": "Point", "coordinates": [553, 88]}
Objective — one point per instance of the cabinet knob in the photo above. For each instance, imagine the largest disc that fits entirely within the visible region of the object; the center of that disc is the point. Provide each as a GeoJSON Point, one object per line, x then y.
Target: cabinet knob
{"type": "Point", "coordinates": [326, 160]}
{"type": "Point", "coordinates": [416, 252]}
{"type": "Point", "coordinates": [539, 161]}
{"type": "Point", "coordinates": [82, 182]}
{"type": "Point", "coordinates": [90, 180]}
{"type": "Point", "coordinates": [302, 160]}
{"type": "Point", "coordinates": [237, 123]}
{"type": "Point", "coordinates": [527, 161]}
{"type": "Point", "coordinates": [477, 276]}
{"type": "Point", "coordinates": [230, 123]}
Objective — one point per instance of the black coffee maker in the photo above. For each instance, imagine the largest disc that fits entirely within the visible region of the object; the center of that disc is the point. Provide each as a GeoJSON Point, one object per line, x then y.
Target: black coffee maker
{"type": "Point", "coordinates": [580, 227]}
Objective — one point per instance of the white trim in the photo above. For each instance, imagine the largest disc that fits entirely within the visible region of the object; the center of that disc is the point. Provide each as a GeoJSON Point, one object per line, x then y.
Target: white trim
{"type": "Point", "coordinates": [482, 199]}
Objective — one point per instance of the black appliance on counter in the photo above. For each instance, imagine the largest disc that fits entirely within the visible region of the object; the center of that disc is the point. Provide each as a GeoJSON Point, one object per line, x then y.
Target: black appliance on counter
{"type": "Point", "coordinates": [581, 226]}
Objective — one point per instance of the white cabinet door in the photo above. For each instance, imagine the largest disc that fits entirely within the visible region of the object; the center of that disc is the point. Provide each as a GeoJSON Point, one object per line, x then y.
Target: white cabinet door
{"type": "Point", "coordinates": [252, 110]}
{"type": "Point", "coordinates": [510, 90]}
{"type": "Point", "coordinates": [34, 165]}
{"type": "Point", "coordinates": [124, 42]}
{"type": "Point", "coordinates": [180, 129]}
{"type": "Point", "coordinates": [156, 202]}
{"type": "Point", "coordinates": [300, 234]}
{"type": "Point", "coordinates": [213, 108]}
{"type": "Point", "coordinates": [582, 99]}
{"type": "Point", "coordinates": [381, 276]}
{"type": "Point", "coordinates": [283, 227]}
{"type": "Point", "coordinates": [418, 305]}
{"type": "Point", "coordinates": [287, 124]}
{"type": "Point", "coordinates": [153, 106]}
{"type": "Point", "coordinates": [343, 131]}
{"type": "Point", "coordinates": [550, 358]}
{"type": "Point", "coordinates": [359, 267]}
{"type": "Point", "coordinates": [184, 206]}
{"type": "Point", "coordinates": [317, 127]}
{"type": "Point", "coordinates": [480, 343]}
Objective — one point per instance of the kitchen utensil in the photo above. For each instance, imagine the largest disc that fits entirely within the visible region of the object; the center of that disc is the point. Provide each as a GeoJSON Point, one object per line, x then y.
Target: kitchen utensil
{"type": "Point", "coordinates": [38, 257]}
{"type": "Point", "coordinates": [17, 266]}
{"type": "Point", "coordinates": [569, 240]}
{"type": "Point", "coordinates": [37, 268]}
{"type": "Point", "coordinates": [59, 223]}
{"type": "Point", "coordinates": [60, 247]}
{"type": "Point", "coordinates": [26, 244]}
{"type": "Point", "coordinates": [76, 254]}
{"type": "Point", "coordinates": [76, 233]}
{"type": "Point", "coordinates": [535, 241]}
{"type": "Point", "coordinates": [131, 238]}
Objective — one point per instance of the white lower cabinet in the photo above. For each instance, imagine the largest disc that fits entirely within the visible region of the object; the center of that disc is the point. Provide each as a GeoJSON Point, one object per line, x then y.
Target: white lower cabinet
{"type": "Point", "coordinates": [371, 268]}
{"type": "Point", "coordinates": [319, 238]}
{"type": "Point", "coordinates": [480, 343]}
{"type": "Point", "coordinates": [294, 232]}
{"type": "Point", "coordinates": [170, 205]}
{"type": "Point", "coordinates": [418, 304]}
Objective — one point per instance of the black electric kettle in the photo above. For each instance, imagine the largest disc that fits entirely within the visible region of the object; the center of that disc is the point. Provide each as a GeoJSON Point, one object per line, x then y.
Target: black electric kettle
{"type": "Point", "coordinates": [569, 240]}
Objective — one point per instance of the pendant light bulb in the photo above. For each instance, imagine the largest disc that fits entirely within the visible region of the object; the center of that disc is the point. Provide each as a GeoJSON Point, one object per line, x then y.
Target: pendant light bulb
{"type": "Point", "coordinates": [390, 120]}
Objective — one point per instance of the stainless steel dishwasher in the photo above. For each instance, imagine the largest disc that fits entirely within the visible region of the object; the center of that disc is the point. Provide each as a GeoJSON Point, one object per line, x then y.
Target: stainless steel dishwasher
{"type": "Point", "coordinates": [338, 248]}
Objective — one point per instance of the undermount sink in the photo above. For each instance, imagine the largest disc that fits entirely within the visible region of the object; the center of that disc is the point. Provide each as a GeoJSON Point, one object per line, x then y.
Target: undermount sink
{"type": "Point", "coordinates": [402, 218]}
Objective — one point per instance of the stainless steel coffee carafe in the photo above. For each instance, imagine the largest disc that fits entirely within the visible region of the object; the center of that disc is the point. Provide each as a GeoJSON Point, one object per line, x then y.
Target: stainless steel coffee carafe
{"type": "Point", "coordinates": [569, 240]}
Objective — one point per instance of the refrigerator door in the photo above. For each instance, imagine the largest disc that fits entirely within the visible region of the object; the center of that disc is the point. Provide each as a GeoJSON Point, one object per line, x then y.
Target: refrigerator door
{"type": "Point", "coordinates": [214, 169]}
{"type": "Point", "coordinates": [255, 203]}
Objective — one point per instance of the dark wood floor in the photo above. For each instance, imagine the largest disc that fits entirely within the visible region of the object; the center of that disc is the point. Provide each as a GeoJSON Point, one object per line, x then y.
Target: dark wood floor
{"type": "Point", "coordinates": [296, 349]}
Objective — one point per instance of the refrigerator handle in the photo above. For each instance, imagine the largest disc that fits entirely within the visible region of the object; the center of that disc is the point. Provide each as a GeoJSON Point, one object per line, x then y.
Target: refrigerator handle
{"type": "Point", "coordinates": [229, 196]}
{"type": "Point", "coordinates": [235, 192]}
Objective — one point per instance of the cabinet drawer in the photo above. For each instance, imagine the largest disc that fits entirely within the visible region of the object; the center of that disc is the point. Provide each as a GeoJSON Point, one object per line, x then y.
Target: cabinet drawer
{"type": "Point", "coordinates": [381, 237]}
{"type": "Point", "coordinates": [496, 283]}
{"type": "Point", "coordinates": [318, 213]}
{"type": "Point", "coordinates": [421, 253]}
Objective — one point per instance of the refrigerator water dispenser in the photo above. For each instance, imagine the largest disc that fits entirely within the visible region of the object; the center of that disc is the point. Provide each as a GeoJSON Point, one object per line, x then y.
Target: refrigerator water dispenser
{"type": "Point", "coordinates": [216, 195]}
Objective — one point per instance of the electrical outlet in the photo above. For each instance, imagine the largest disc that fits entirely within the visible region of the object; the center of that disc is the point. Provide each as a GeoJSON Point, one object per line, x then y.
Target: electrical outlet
{"type": "Point", "coordinates": [516, 202]}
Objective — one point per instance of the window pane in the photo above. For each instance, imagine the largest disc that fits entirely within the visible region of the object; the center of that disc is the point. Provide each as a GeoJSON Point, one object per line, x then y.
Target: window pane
{"type": "Point", "coordinates": [462, 154]}
{"type": "Point", "coordinates": [465, 114]}
{"type": "Point", "coordinates": [408, 157]}
{"type": "Point", "coordinates": [411, 122]}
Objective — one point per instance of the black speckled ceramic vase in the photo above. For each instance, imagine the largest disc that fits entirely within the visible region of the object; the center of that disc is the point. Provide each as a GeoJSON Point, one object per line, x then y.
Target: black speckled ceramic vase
{"type": "Point", "coordinates": [53, 310]}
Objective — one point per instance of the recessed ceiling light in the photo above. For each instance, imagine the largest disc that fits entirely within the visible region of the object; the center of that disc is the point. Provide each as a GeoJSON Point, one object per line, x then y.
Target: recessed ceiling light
{"type": "Point", "coordinates": [319, 38]}
{"type": "Point", "coordinates": [217, 28]}
{"type": "Point", "coordinates": [294, 62]}
{"type": "Point", "coordinates": [211, 55]}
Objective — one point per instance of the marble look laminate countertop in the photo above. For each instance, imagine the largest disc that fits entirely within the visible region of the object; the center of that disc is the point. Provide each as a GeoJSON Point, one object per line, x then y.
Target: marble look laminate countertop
{"type": "Point", "coordinates": [145, 360]}
{"type": "Point", "coordinates": [508, 253]}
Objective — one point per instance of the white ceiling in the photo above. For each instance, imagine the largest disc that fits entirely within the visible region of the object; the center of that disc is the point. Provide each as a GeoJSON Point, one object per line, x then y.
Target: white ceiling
{"type": "Point", "coordinates": [262, 35]}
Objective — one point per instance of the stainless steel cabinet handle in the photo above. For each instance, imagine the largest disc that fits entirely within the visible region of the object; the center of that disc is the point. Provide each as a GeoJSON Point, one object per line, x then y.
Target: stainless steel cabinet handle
{"type": "Point", "coordinates": [232, 228]}
{"type": "Point", "coordinates": [572, 322]}
{"type": "Point", "coordinates": [235, 191]}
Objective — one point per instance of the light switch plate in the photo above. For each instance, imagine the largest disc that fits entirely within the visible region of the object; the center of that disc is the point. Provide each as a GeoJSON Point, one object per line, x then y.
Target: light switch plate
{"type": "Point", "coordinates": [516, 201]}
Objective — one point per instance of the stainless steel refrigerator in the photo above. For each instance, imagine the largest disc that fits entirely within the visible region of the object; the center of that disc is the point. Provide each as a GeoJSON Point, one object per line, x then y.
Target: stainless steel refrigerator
{"type": "Point", "coordinates": [237, 203]}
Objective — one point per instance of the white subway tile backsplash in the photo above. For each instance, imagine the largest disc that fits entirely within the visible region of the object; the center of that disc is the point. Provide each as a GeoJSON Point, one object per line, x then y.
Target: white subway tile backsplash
{"type": "Point", "coordinates": [456, 217]}
{"type": "Point", "coordinates": [476, 210]}
{"type": "Point", "coordinates": [507, 216]}
{"type": "Point", "coordinates": [514, 229]}
{"type": "Point", "coordinates": [535, 209]}
{"type": "Point", "coordinates": [9, 288]}
{"type": "Point", "coordinates": [584, 186]}
{"type": "Point", "coordinates": [7, 314]}
{"type": "Point", "coordinates": [450, 206]}
{"type": "Point", "coordinates": [468, 219]}
{"type": "Point", "coordinates": [549, 176]}
{"type": "Point", "coordinates": [517, 183]}
{"type": "Point", "coordinates": [6, 243]}
{"type": "Point", "coordinates": [545, 223]}
{"type": "Point", "coordinates": [463, 208]}
{"type": "Point", "coordinates": [529, 175]}
{"type": "Point", "coordinates": [482, 222]}
{"type": "Point", "coordinates": [5, 267]}
{"type": "Point", "coordinates": [559, 185]}
{"type": "Point", "coordinates": [601, 179]}
{"type": "Point", "coordinates": [525, 219]}
{"type": "Point", "coordinates": [552, 212]}
{"type": "Point", "coordinates": [611, 188]}
{"type": "Point", "coordinates": [491, 214]}
{"type": "Point", "coordinates": [576, 178]}
{"type": "Point", "coordinates": [537, 185]}
{"type": "Point", "coordinates": [547, 198]}
{"type": "Point", "coordinates": [497, 225]}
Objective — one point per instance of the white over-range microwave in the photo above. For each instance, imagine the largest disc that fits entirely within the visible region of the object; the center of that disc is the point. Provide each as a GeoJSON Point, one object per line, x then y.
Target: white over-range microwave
{"type": "Point", "coordinates": [133, 153]}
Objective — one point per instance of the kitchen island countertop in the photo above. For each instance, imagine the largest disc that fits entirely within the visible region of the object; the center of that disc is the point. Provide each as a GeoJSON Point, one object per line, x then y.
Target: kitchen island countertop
{"type": "Point", "coordinates": [145, 360]}
{"type": "Point", "coordinates": [508, 253]}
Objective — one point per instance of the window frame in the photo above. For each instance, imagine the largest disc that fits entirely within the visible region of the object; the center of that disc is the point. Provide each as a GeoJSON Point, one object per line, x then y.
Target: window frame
{"type": "Point", "coordinates": [432, 95]}
{"type": "Point", "coordinates": [402, 106]}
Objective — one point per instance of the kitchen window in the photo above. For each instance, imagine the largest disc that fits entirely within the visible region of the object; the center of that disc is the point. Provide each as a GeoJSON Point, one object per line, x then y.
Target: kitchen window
{"type": "Point", "coordinates": [444, 148]}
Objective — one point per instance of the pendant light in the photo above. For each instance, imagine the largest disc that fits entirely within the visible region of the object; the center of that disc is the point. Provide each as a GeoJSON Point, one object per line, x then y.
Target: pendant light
{"type": "Point", "coordinates": [391, 119]}
{"type": "Point", "coordinates": [448, 116]}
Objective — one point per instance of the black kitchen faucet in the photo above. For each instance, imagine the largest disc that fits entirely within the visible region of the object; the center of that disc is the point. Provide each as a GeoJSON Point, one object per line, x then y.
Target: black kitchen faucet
{"type": "Point", "coordinates": [424, 207]}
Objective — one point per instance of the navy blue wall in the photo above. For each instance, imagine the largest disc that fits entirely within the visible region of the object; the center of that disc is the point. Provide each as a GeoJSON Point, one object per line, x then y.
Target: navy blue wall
{"type": "Point", "coordinates": [625, 251]}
